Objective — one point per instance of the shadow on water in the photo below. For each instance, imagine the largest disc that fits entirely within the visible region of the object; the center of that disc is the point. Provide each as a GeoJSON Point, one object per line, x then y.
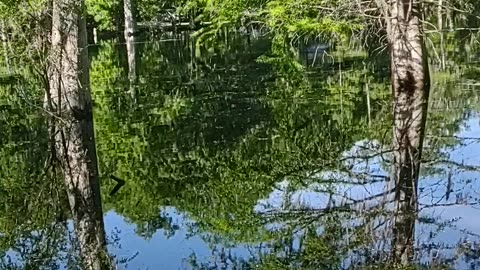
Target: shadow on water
{"type": "Point", "coordinates": [230, 163]}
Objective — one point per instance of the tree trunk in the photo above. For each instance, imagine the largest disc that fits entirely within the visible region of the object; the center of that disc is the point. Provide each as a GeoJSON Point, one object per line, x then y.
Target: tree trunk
{"type": "Point", "coordinates": [440, 15]}
{"type": "Point", "coordinates": [410, 85]}
{"type": "Point", "coordinates": [3, 36]}
{"type": "Point", "coordinates": [451, 19]}
{"type": "Point", "coordinates": [129, 32]}
{"type": "Point", "coordinates": [132, 66]}
{"type": "Point", "coordinates": [69, 100]}
{"type": "Point", "coordinates": [408, 134]}
{"type": "Point", "coordinates": [442, 34]}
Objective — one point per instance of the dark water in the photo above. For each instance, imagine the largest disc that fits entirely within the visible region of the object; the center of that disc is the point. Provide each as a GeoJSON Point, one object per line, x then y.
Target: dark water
{"type": "Point", "coordinates": [232, 162]}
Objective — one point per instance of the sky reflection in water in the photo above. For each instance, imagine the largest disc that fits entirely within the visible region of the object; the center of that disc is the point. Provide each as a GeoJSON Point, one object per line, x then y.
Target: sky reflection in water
{"type": "Point", "coordinates": [160, 252]}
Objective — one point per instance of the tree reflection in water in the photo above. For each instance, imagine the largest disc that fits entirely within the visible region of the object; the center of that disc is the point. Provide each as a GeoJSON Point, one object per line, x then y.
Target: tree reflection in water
{"type": "Point", "coordinates": [265, 164]}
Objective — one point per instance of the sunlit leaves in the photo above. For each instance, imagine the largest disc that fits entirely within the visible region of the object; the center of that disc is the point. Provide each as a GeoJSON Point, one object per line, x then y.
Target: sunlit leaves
{"type": "Point", "coordinates": [106, 13]}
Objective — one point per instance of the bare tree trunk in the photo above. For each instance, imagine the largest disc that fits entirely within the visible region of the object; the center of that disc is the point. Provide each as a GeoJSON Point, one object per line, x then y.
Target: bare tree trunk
{"type": "Point", "coordinates": [69, 99]}
{"type": "Point", "coordinates": [129, 32]}
{"type": "Point", "coordinates": [410, 84]}
{"type": "Point", "coordinates": [367, 91]}
{"type": "Point", "coordinates": [408, 134]}
{"type": "Point", "coordinates": [440, 15]}
{"type": "Point", "coordinates": [442, 34]}
{"type": "Point", "coordinates": [450, 19]}
{"type": "Point", "coordinates": [132, 66]}
{"type": "Point", "coordinates": [3, 36]}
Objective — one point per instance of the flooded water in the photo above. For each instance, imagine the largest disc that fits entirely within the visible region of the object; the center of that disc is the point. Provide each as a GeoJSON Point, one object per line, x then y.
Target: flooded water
{"type": "Point", "coordinates": [233, 160]}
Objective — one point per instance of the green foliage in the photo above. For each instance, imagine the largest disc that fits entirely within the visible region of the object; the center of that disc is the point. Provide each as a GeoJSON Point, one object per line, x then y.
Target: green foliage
{"type": "Point", "coordinates": [200, 142]}
{"type": "Point", "coordinates": [213, 136]}
{"type": "Point", "coordinates": [210, 131]}
{"type": "Point", "coordinates": [301, 19]}
{"type": "Point", "coordinates": [293, 21]}
{"type": "Point", "coordinates": [33, 205]}
{"type": "Point", "coordinates": [20, 9]}
{"type": "Point", "coordinates": [106, 13]}
{"type": "Point", "coordinates": [282, 59]}
{"type": "Point", "coordinates": [152, 10]}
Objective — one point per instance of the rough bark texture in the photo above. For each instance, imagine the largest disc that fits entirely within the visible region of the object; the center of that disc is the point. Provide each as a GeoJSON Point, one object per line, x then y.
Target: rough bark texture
{"type": "Point", "coordinates": [69, 100]}
{"type": "Point", "coordinates": [410, 85]}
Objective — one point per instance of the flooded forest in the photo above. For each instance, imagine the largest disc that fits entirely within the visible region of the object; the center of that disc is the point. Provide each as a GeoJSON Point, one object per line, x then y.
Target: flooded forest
{"type": "Point", "coordinates": [239, 134]}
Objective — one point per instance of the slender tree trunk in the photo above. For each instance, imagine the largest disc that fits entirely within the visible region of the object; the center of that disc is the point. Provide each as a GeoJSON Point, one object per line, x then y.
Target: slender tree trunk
{"type": "Point", "coordinates": [450, 19]}
{"type": "Point", "coordinates": [69, 99]}
{"type": "Point", "coordinates": [132, 66]}
{"type": "Point", "coordinates": [442, 34]}
{"type": "Point", "coordinates": [129, 32]}
{"type": "Point", "coordinates": [410, 84]}
{"type": "Point", "coordinates": [440, 15]}
{"type": "Point", "coordinates": [408, 134]}
{"type": "Point", "coordinates": [367, 91]}
{"type": "Point", "coordinates": [3, 36]}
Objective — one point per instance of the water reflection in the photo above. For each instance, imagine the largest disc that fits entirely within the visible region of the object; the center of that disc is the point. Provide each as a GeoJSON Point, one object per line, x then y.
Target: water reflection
{"type": "Point", "coordinates": [229, 162]}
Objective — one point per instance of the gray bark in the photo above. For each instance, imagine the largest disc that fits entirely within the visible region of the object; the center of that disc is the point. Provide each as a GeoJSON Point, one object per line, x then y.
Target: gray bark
{"type": "Point", "coordinates": [129, 32]}
{"type": "Point", "coordinates": [69, 100]}
{"type": "Point", "coordinates": [442, 34]}
{"type": "Point", "coordinates": [410, 85]}
{"type": "Point", "coordinates": [3, 36]}
{"type": "Point", "coordinates": [132, 66]}
{"type": "Point", "coordinates": [440, 15]}
{"type": "Point", "coordinates": [450, 19]}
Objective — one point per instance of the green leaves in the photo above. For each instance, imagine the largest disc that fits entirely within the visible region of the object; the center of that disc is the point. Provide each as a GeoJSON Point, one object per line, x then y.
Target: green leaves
{"type": "Point", "coordinates": [106, 13]}
{"type": "Point", "coordinates": [301, 18]}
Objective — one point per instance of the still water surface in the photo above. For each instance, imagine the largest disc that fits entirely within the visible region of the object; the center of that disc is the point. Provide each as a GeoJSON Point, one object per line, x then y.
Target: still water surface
{"type": "Point", "coordinates": [232, 162]}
